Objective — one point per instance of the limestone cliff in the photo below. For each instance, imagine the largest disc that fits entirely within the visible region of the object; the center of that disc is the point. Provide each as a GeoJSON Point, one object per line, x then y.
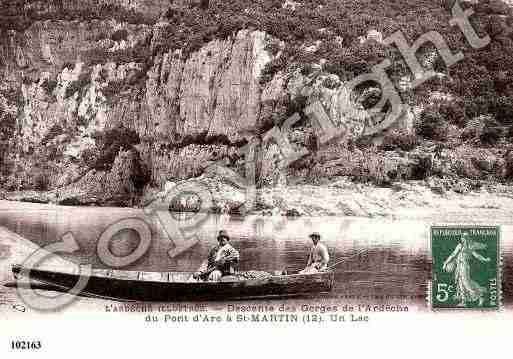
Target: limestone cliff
{"type": "Point", "coordinates": [101, 101]}
{"type": "Point", "coordinates": [71, 80]}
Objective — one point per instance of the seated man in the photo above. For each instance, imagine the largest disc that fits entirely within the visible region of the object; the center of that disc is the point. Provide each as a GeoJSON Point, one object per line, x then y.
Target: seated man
{"type": "Point", "coordinates": [318, 258]}
{"type": "Point", "coordinates": [221, 260]}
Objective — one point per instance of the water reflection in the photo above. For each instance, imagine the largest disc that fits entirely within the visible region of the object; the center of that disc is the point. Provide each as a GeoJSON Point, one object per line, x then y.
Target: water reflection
{"type": "Point", "coordinates": [395, 260]}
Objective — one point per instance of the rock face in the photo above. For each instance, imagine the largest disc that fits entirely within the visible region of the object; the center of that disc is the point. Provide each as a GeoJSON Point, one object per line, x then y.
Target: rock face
{"type": "Point", "coordinates": [212, 97]}
{"type": "Point", "coordinates": [213, 94]}
{"type": "Point", "coordinates": [117, 187]}
{"type": "Point", "coordinates": [80, 78]}
{"type": "Point", "coordinates": [68, 82]}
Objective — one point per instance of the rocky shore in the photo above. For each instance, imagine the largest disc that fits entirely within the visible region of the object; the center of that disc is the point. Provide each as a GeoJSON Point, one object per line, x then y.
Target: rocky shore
{"type": "Point", "coordinates": [339, 197]}
{"type": "Point", "coordinates": [112, 103]}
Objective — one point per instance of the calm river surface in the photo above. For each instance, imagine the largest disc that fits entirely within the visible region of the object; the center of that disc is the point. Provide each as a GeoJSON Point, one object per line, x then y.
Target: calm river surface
{"type": "Point", "coordinates": [395, 261]}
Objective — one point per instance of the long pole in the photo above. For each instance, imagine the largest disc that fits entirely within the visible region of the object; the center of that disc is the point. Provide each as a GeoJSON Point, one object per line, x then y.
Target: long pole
{"type": "Point", "coordinates": [346, 258]}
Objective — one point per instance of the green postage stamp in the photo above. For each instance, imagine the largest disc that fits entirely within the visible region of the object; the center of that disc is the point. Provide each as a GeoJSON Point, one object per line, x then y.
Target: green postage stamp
{"type": "Point", "coordinates": [466, 267]}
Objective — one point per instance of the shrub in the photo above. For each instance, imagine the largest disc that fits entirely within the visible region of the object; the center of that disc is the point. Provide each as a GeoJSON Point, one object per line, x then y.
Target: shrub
{"type": "Point", "coordinates": [453, 112]}
{"type": "Point", "coordinates": [68, 65]}
{"type": "Point", "coordinates": [273, 47]}
{"type": "Point", "coordinates": [473, 129]}
{"type": "Point", "coordinates": [53, 152]}
{"type": "Point", "coordinates": [106, 159]}
{"type": "Point", "coordinates": [49, 85]}
{"type": "Point", "coordinates": [422, 168]}
{"type": "Point", "coordinates": [113, 89]}
{"type": "Point", "coordinates": [307, 69]}
{"type": "Point", "coordinates": [20, 15]}
{"type": "Point", "coordinates": [95, 56]}
{"type": "Point", "coordinates": [119, 35]}
{"type": "Point", "coordinates": [375, 171]}
{"type": "Point", "coordinates": [371, 168]}
{"type": "Point", "coordinates": [110, 142]}
{"type": "Point", "coordinates": [140, 52]}
{"type": "Point", "coordinates": [399, 139]}
{"type": "Point", "coordinates": [101, 36]}
{"type": "Point", "coordinates": [508, 158]}
{"type": "Point", "coordinates": [41, 180]}
{"type": "Point", "coordinates": [88, 157]}
{"type": "Point", "coordinates": [78, 85]}
{"type": "Point", "coordinates": [53, 132]}
{"type": "Point", "coordinates": [502, 109]}
{"type": "Point", "coordinates": [297, 105]}
{"type": "Point", "coordinates": [270, 69]}
{"type": "Point", "coordinates": [141, 174]}
{"type": "Point", "coordinates": [491, 132]}
{"type": "Point", "coordinates": [330, 83]}
{"type": "Point", "coordinates": [432, 126]}
{"type": "Point", "coordinates": [7, 132]}
{"type": "Point", "coordinates": [476, 106]}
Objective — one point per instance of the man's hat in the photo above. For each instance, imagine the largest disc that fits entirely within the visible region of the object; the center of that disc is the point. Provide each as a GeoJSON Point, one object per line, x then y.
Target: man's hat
{"type": "Point", "coordinates": [315, 235]}
{"type": "Point", "coordinates": [224, 234]}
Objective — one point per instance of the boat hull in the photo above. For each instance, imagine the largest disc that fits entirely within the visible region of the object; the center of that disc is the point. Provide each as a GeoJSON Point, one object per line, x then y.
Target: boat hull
{"type": "Point", "coordinates": [153, 286]}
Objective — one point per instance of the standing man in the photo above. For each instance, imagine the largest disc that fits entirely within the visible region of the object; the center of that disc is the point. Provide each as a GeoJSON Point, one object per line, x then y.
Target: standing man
{"type": "Point", "coordinates": [221, 260]}
{"type": "Point", "coordinates": [319, 256]}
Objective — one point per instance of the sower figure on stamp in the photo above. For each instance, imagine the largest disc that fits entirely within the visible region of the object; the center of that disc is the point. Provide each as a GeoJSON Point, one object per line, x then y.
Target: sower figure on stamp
{"type": "Point", "coordinates": [318, 258]}
{"type": "Point", "coordinates": [221, 260]}
{"type": "Point", "coordinates": [467, 290]}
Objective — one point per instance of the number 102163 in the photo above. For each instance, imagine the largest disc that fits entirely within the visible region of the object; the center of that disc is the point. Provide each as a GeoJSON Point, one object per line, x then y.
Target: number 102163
{"type": "Point", "coordinates": [25, 345]}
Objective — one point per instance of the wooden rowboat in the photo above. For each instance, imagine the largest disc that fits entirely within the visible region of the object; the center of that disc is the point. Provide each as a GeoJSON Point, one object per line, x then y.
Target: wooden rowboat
{"type": "Point", "coordinates": [177, 286]}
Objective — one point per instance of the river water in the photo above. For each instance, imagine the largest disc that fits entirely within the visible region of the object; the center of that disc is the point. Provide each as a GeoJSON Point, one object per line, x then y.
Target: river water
{"type": "Point", "coordinates": [383, 257]}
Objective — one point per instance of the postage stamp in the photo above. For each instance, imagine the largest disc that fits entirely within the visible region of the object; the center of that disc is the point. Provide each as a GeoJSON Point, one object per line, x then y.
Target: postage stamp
{"type": "Point", "coordinates": [466, 267]}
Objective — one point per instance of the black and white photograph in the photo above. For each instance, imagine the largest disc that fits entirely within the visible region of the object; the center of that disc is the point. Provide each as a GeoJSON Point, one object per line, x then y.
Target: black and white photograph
{"type": "Point", "coordinates": [189, 168]}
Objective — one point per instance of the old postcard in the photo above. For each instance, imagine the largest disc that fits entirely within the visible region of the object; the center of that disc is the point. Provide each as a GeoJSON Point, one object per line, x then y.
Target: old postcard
{"type": "Point", "coordinates": [296, 176]}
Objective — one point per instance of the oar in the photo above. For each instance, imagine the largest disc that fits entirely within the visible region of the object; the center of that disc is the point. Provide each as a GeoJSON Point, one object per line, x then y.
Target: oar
{"type": "Point", "coordinates": [345, 259]}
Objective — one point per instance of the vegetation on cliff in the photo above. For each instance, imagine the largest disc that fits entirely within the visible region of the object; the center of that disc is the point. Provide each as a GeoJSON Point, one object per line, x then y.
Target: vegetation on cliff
{"type": "Point", "coordinates": [19, 15]}
{"type": "Point", "coordinates": [481, 83]}
{"type": "Point", "coordinates": [462, 118]}
{"type": "Point", "coordinates": [478, 88]}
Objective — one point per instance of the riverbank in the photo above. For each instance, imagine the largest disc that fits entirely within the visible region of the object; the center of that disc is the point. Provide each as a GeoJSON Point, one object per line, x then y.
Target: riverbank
{"type": "Point", "coordinates": [434, 198]}
{"type": "Point", "coordinates": [410, 200]}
